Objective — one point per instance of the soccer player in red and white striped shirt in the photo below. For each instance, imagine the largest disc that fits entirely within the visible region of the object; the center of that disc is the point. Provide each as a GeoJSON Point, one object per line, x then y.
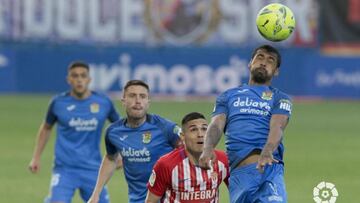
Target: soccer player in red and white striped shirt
{"type": "Point", "coordinates": [176, 176]}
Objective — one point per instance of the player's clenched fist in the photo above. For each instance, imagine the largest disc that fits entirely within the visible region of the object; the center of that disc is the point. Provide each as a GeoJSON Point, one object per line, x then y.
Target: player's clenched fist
{"type": "Point", "coordinates": [34, 165]}
{"type": "Point", "coordinates": [207, 158]}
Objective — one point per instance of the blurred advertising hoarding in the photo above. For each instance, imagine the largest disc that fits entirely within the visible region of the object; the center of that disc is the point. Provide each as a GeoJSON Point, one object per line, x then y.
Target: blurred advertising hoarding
{"type": "Point", "coordinates": [7, 71]}
{"type": "Point", "coordinates": [180, 47]}
{"type": "Point", "coordinates": [150, 22]}
{"type": "Point", "coordinates": [179, 71]}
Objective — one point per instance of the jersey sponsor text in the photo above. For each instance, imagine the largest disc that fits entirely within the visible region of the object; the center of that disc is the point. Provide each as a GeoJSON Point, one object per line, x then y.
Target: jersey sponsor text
{"type": "Point", "coordinates": [198, 195]}
{"type": "Point", "coordinates": [84, 125]}
{"type": "Point", "coordinates": [252, 107]}
{"type": "Point", "coordinates": [133, 155]}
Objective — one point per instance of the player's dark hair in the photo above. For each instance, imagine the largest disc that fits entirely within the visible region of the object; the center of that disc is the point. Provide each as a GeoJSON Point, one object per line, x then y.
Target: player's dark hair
{"type": "Point", "coordinates": [136, 83]}
{"type": "Point", "coordinates": [269, 49]}
{"type": "Point", "coordinates": [76, 64]}
{"type": "Point", "coordinates": [192, 116]}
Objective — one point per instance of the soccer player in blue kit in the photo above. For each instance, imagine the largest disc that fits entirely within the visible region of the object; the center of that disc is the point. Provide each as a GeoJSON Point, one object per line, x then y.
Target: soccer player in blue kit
{"type": "Point", "coordinates": [140, 139]}
{"type": "Point", "coordinates": [253, 118]}
{"type": "Point", "coordinates": [80, 115]}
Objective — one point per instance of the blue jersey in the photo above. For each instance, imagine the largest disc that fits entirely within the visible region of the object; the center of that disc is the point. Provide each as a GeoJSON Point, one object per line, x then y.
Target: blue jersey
{"type": "Point", "coordinates": [140, 148]}
{"type": "Point", "coordinates": [79, 127]}
{"type": "Point", "coordinates": [248, 111]}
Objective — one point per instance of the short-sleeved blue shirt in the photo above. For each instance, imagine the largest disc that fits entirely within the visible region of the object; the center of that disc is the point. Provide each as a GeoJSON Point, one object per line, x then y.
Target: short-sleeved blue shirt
{"type": "Point", "coordinates": [79, 127]}
{"type": "Point", "coordinates": [140, 148]}
{"type": "Point", "coordinates": [248, 111]}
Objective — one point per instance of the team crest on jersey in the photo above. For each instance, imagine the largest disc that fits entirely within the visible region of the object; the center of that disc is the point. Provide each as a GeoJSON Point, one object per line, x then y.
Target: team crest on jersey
{"type": "Point", "coordinates": [152, 178]}
{"type": "Point", "coordinates": [146, 138]}
{"type": "Point", "coordinates": [214, 176]}
{"type": "Point", "coordinates": [94, 108]}
{"type": "Point", "coordinates": [267, 95]}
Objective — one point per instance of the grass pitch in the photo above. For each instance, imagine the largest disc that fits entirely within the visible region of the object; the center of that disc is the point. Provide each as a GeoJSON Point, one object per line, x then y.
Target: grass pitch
{"type": "Point", "coordinates": [321, 144]}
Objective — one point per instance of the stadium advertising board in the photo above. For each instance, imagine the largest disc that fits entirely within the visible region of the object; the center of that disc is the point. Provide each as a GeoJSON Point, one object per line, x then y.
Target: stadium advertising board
{"type": "Point", "coordinates": [180, 71]}
{"type": "Point", "coordinates": [7, 71]}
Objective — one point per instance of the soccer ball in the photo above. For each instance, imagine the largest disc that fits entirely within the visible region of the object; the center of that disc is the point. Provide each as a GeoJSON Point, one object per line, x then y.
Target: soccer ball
{"type": "Point", "coordinates": [275, 22]}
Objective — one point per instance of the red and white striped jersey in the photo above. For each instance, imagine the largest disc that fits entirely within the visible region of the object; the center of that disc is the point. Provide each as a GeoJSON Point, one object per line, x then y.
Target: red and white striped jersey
{"type": "Point", "coordinates": [176, 179]}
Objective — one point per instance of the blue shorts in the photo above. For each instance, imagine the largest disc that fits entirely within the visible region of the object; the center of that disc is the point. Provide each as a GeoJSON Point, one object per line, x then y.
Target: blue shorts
{"type": "Point", "coordinates": [248, 185]}
{"type": "Point", "coordinates": [65, 181]}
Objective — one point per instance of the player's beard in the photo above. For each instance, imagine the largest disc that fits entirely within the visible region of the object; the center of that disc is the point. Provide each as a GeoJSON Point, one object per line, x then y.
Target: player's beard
{"type": "Point", "coordinates": [135, 118]}
{"type": "Point", "coordinates": [80, 92]}
{"type": "Point", "coordinates": [136, 115]}
{"type": "Point", "coordinates": [260, 75]}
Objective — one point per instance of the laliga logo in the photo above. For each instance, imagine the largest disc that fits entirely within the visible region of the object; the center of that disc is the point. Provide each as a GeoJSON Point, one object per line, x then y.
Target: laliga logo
{"type": "Point", "coordinates": [182, 21]}
{"type": "Point", "coordinates": [325, 192]}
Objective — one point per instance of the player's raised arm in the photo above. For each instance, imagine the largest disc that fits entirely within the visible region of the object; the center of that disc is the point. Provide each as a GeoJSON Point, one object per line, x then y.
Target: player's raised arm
{"type": "Point", "coordinates": [107, 168]}
{"type": "Point", "coordinates": [41, 140]}
{"type": "Point", "coordinates": [212, 138]}
{"type": "Point", "coordinates": [278, 124]}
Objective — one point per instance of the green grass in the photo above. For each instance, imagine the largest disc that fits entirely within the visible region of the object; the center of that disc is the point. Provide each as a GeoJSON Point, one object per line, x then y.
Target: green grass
{"type": "Point", "coordinates": [322, 144]}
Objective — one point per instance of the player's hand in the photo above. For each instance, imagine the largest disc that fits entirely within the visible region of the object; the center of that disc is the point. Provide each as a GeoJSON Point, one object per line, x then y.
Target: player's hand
{"type": "Point", "coordinates": [266, 158]}
{"type": "Point", "coordinates": [207, 158]}
{"type": "Point", "coordinates": [34, 165]}
{"type": "Point", "coordinates": [119, 163]}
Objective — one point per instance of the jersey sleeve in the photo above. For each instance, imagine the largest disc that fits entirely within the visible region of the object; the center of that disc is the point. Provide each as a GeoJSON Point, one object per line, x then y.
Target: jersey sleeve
{"type": "Point", "coordinates": [51, 117]}
{"type": "Point", "coordinates": [221, 105]}
{"type": "Point", "coordinates": [173, 133]}
{"type": "Point", "coordinates": [110, 148]}
{"type": "Point", "coordinates": [159, 179]}
{"type": "Point", "coordinates": [282, 104]}
{"type": "Point", "coordinates": [169, 129]}
{"type": "Point", "coordinates": [113, 114]}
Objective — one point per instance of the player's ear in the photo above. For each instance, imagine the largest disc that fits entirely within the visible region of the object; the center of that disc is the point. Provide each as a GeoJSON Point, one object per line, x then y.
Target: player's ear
{"type": "Point", "coordinates": [182, 136]}
{"type": "Point", "coordinates": [122, 99]}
